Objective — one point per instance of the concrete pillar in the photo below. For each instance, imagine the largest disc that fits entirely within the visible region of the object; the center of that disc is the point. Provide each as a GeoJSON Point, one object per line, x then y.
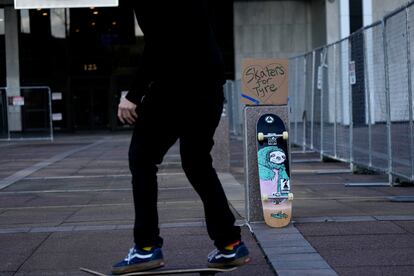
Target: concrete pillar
{"type": "Point", "coordinates": [332, 21]}
{"type": "Point", "coordinates": [367, 12]}
{"type": "Point", "coordinates": [369, 52]}
{"type": "Point", "coordinates": [12, 66]}
{"type": "Point", "coordinates": [344, 18]}
{"type": "Point", "coordinates": [344, 32]}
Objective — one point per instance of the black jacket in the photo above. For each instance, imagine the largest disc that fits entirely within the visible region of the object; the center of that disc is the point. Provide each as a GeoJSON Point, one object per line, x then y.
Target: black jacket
{"type": "Point", "coordinates": [180, 48]}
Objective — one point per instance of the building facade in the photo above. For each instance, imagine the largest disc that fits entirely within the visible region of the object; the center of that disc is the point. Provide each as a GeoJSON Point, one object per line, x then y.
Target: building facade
{"type": "Point", "coordinates": [88, 56]}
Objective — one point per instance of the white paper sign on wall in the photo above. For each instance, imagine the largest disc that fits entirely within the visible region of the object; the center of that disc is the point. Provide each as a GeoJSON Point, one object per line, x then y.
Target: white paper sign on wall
{"type": "Point", "coordinates": [51, 4]}
{"type": "Point", "coordinates": [352, 73]}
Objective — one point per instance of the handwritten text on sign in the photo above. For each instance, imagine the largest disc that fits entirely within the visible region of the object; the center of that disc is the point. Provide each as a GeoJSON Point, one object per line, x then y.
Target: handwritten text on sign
{"type": "Point", "coordinates": [264, 81]}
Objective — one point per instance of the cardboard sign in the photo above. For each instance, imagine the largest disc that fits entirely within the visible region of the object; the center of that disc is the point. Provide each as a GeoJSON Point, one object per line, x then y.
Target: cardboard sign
{"type": "Point", "coordinates": [51, 4]}
{"type": "Point", "coordinates": [265, 81]}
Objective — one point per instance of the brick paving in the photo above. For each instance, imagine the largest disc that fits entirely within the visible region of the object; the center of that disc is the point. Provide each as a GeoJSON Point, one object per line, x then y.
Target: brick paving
{"type": "Point", "coordinates": [76, 210]}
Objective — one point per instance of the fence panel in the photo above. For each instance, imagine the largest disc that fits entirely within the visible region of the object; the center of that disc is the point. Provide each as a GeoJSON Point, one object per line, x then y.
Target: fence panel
{"type": "Point", "coordinates": [376, 96]}
{"type": "Point", "coordinates": [300, 99]}
{"type": "Point", "coordinates": [395, 31]}
{"type": "Point", "coordinates": [317, 98]}
{"type": "Point", "coordinates": [232, 95]}
{"type": "Point", "coordinates": [360, 131]}
{"type": "Point", "coordinates": [292, 100]}
{"type": "Point", "coordinates": [228, 94]}
{"type": "Point", "coordinates": [308, 111]}
{"type": "Point", "coordinates": [358, 96]}
{"type": "Point", "coordinates": [410, 47]}
{"type": "Point", "coordinates": [32, 118]}
{"type": "Point", "coordinates": [342, 118]}
{"type": "Point", "coordinates": [4, 131]}
{"type": "Point", "coordinates": [328, 101]}
{"type": "Point", "coordinates": [239, 111]}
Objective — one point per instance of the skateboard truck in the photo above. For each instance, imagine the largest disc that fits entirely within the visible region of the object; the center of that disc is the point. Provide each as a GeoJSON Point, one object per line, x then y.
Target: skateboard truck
{"type": "Point", "coordinates": [261, 136]}
{"type": "Point", "coordinates": [289, 197]}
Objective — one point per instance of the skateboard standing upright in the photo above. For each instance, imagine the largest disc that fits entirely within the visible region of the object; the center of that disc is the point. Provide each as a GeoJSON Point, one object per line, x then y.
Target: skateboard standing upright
{"type": "Point", "coordinates": [274, 170]}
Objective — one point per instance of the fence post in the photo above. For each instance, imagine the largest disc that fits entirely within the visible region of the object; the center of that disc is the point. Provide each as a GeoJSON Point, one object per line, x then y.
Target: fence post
{"type": "Point", "coordinates": [322, 67]}
{"type": "Point", "coordinates": [234, 108]}
{"type": "Point", "coordinates": [49, 93]}
{"type": "Point", "coordinates": [8, 114]}
{"type": "Point", "coordinates": [410, 92]}
{"type": "Point", "coordinates": [335, 101]}
{"type": "Point", "coordinates": [238, 114]}
{"type": "Point", "coordinates": [295, 98]}
{"type": "Point", "coordinates": [312, 100]}
{"type": "Point", "coordinates": [387, 101]}
{"type": "Point", "coordinates": [368, 99]}
{"type": "Point", "coordinates": [227, 96]}
{"type": "Point", "coordinates": [230, 104]}
{"type": "Point", "coordinates": [305, 72]}
{"type": "Point", "coordinates": [351, 115]}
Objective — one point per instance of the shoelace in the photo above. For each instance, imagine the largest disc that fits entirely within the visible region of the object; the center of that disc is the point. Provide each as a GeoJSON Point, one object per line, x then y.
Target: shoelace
{"type": "Point", "coordinates": [129, 257]}
{"type": "Point", "coordinates": [212, 254]}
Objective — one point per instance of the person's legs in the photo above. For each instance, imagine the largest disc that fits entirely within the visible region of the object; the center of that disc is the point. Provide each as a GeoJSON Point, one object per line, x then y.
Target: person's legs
{"type": "Point", "coordinates": [146, 151]}
{"type": "Point", "coordinates": [196, 142]}
{"type": "Point", "coordinates": [153, 135]}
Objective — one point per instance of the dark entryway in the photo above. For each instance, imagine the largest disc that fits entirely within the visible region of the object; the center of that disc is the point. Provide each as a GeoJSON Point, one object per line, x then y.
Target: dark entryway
{"type": "Point", "coordinates": [90, 103]}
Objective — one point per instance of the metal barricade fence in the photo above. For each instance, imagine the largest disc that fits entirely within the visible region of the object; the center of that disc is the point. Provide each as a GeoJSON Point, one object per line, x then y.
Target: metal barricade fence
{"type": "Point", "coordinates": [234, 107]}
{"type": "Point", "coordinates": [352, 100]}
{"type": "Point", "coordinates": [4, 131]}
{"type": "Point", "coordinates": [28, 116]}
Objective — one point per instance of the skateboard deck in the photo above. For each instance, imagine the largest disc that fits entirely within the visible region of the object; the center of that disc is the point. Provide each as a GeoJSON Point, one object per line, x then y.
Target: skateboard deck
{"type": "Point", "coordinates": [201, 271]}
{"type": "Point", "coordinates": [274, 170]}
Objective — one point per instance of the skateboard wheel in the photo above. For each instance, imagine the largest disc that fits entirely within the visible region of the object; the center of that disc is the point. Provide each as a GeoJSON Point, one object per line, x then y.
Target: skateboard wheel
{"type": "Point", "coordinates": [290, 196]}
{"type": "Point", "coordinates": [285, 135]}
{"type": "Point", "coordinates": [264, 197]}
{"type": "Point", "coordinates": [260, 136]}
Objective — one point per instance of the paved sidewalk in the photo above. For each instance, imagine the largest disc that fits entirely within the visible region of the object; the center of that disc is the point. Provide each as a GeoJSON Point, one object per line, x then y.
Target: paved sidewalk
{"type": "Point", "coordinates": [68, 204]}
{"type": "Point", "coordinates": [351, 220]}
{"type": "Point", "coordinates": [343, 223]}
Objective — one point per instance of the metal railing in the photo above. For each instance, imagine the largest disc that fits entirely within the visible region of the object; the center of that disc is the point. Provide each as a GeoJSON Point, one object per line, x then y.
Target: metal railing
{"type": "Point", "coordinates": [235, 107]}
{"type": "Point", "coordinates": [353, 100]}
{"type": "Point", "coordinates": [29, 120]}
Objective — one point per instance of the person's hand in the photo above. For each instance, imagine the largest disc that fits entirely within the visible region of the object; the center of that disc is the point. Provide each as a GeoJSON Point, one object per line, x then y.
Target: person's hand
{"type": "Point", "coordinates": [126, 111]}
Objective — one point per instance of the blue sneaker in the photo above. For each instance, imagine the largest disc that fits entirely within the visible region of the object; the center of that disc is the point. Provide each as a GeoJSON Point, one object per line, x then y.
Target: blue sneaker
{"type": "Point", "coordinates": [139, 260]}
{"type": "Point", "coordinates": [233, 255]}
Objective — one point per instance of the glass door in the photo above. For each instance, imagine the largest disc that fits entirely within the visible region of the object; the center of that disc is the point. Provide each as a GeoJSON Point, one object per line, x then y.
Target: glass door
{"type": "Point", "coordinates": [90, 104]}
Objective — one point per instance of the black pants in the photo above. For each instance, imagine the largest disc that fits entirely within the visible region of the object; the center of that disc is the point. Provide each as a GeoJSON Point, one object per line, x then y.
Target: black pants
{"type": "Point", "coordinates": [192, 119]}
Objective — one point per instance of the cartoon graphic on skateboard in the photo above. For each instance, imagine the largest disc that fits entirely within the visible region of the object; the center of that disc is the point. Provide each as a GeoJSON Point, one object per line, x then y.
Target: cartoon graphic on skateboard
{"type": "Point", "coordinates": [274, 170]}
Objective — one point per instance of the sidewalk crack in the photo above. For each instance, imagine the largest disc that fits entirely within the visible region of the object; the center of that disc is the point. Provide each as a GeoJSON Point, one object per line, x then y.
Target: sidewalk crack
{"type": "Point", "coordinates": [33, 252]}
